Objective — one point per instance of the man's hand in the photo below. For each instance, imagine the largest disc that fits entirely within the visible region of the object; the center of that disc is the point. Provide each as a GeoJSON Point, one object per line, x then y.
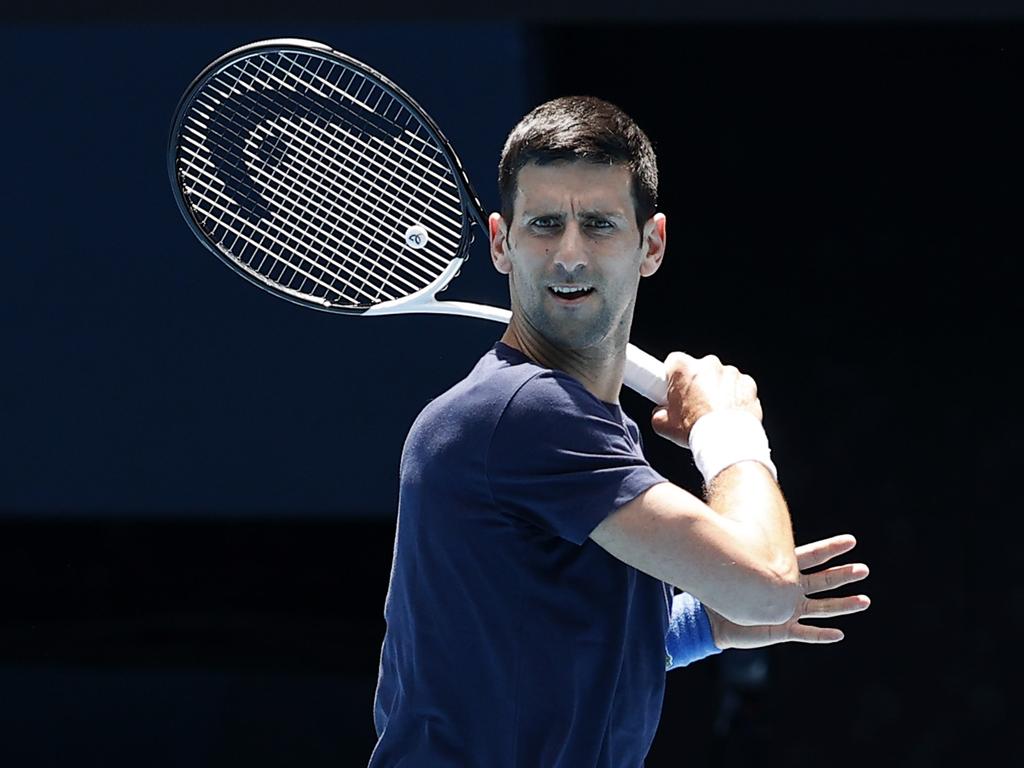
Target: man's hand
{"type": "Point", "coordinates": [730, 635]}
{"type": "Point", "coordinates": [696, 387]}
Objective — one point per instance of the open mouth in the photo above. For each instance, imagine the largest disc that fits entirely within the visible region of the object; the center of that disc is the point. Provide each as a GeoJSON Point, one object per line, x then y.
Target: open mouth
{"type": "Point", "coordinates": [570, 292]}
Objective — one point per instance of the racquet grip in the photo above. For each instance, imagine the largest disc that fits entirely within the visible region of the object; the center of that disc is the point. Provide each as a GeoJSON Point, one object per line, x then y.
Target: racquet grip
{"type": "Point", "coordinates": [645, 374]}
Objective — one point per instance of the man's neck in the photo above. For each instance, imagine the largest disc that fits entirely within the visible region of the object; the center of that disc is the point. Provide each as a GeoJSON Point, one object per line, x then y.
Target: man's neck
{"type": "Point", "coordinates": [599, 370]}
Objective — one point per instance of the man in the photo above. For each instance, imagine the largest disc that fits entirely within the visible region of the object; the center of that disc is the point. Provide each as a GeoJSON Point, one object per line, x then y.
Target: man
{"type": "Point", "coordinates": [531, 614]}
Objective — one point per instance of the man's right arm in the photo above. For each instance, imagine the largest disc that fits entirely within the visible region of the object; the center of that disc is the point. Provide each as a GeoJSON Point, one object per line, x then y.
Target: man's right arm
{"type": "Point", "coordinates": [734, 553]}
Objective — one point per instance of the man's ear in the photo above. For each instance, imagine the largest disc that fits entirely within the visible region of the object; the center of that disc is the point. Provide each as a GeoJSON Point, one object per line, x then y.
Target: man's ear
{"type": "Point", "coordinates": [499, 253]}
{"type": "Point", "coordinates": [654, 244]}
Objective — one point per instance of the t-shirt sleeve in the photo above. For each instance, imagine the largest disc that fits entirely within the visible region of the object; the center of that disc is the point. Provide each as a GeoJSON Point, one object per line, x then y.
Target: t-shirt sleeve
{"type": "Point", "coordinates": [560, 459]}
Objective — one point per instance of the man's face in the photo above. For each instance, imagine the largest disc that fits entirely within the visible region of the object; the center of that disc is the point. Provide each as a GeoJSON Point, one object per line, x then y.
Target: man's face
{"type": "Point", "coordinates": [574, 227]}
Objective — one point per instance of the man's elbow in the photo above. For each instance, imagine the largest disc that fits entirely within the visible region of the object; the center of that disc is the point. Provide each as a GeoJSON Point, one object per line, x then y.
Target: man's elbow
{"type": "Point", "coordinates": [777, 599]}
{"type": "Point", "coordinates": [783, 602]}
{"type": "Point", "coordinates": [783, 590]}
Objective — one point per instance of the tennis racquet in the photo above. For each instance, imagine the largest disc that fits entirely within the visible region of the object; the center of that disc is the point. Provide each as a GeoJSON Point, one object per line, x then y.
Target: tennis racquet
{"type": "Point", "coordinates": [320, 180]}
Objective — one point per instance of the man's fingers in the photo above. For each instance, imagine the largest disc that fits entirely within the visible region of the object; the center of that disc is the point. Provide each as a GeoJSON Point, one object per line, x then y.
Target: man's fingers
{"type": "Point", "coordinates": [825, 608]}
{"type": "Point", "coordinates": [659, 419]}
{"type": "Point", "coordinates": [804, 633]}
{"type": "Point", "coordinates": [818, 552]}
{"type": "Point", "coordinates": [833, 578]}
{"type": "Point", "coordinates": [682, 362]}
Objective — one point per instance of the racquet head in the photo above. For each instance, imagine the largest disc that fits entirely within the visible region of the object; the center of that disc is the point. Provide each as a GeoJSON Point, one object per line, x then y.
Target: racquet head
{"type": "Point", "coordinates": [318, 179]}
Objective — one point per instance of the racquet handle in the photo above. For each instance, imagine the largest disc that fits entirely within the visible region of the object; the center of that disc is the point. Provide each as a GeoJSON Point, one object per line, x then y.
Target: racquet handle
{"type": "Point", "coordinates": [646, 374]}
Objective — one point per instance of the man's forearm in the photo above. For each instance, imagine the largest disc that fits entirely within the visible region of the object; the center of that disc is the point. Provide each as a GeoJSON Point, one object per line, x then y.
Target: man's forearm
{"type": "Point", "coordinates": [746, 493]}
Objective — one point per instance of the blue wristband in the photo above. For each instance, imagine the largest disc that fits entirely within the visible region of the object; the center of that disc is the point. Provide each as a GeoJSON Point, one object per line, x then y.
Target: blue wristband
{"type": "Point", "coordinates": [689, 637]}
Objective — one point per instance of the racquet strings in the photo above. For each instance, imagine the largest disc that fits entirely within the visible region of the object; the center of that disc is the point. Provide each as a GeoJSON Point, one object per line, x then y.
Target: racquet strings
{"type": "Point", "coordinates": [311, 175]}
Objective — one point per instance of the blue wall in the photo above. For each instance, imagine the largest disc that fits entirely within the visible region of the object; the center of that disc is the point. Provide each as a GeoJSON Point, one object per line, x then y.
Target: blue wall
{"type": "Point", "coordinates": [143, 377]}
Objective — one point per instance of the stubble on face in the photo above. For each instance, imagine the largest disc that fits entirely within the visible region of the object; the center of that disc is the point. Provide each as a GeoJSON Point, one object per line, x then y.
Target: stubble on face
{"type": "Point", "coordinates": [574, 225]}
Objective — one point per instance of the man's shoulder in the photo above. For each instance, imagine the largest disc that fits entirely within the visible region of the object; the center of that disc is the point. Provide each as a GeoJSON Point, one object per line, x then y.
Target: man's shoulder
{"type": "Point", "coordinates": [507, 379]}
{"type": "Point", "coordinates": [487, 387]}
{"type": "Point", "coordinates": [505, 384]}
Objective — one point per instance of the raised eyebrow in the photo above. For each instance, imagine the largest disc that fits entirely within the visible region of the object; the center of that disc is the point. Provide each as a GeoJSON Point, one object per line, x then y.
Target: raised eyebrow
{"type": "Point", "coordinates": [588, 214]}
{"type": "Point", "coordinates": [541, 215]}
{"type": "Point", "coordinates": [602, 215]}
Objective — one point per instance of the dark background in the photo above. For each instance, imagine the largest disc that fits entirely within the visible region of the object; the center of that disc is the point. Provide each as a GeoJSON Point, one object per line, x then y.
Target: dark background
{"type": "Point", "coordinates": [194, 566]}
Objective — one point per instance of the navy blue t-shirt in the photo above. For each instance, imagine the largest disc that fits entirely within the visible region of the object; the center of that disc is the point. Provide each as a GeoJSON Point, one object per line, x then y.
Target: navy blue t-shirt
{"type": "Point", "coordinates": [512, 638]}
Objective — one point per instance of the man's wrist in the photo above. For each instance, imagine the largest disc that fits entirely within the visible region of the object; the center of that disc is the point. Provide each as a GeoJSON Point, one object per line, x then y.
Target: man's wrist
{"type": "Point", "coordinates": [689, 636]}
{"type": "Point", "coordinates": [718, 636]}
{"type": "Point", "coordinates": [719, 439]}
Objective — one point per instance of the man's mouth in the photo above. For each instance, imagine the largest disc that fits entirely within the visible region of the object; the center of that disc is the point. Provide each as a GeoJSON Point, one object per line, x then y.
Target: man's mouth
{"type": "Point", "coordinates": [570, 292]}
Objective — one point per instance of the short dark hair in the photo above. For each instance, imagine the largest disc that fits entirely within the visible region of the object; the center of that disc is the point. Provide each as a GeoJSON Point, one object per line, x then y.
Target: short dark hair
{"type": "Point", "coordinates": [586, 128]}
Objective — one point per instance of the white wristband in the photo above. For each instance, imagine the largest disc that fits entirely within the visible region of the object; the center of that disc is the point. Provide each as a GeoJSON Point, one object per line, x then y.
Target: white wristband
{"type": "Point", "coordinates": [720, 439]}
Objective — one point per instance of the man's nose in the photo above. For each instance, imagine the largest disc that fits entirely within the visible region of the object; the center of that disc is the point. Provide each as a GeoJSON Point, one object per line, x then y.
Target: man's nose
{"type": "Point", "coordinates": [572, 248]}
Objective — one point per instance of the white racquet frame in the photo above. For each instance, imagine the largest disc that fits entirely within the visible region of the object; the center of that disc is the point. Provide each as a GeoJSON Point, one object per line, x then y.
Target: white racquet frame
{"type": "Point", "coordinates": [644, 373]}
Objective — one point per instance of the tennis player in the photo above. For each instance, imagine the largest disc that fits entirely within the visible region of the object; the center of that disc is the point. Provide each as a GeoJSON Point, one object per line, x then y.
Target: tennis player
{"type": "Point", "coordinates": [545, 576]}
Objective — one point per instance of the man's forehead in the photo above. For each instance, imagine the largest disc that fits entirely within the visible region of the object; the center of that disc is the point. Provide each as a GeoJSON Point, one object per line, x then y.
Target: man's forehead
{"type": "Point", "coordinates": [590, 186]}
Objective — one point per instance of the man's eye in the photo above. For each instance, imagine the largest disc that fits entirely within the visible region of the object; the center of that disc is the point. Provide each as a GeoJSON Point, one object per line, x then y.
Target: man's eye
{"type": "Point", "coordinates": [600, 224]}
{"type": "Point", "coordinates": [545, 223]}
